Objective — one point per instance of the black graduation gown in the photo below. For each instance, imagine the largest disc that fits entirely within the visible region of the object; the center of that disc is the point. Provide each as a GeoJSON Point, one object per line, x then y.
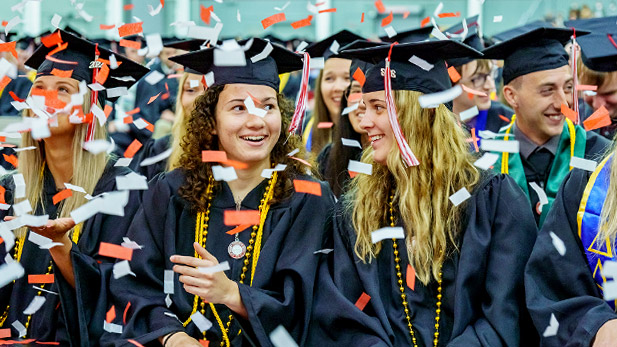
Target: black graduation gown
{"type": "Point", "coordinates": [564, 285]}
{"type": "Point", "coordinates": [21, 87]}
{"type": "Point", "coordinates": [57, 319]}
{"type": "Point", "coordinates": [283, 285]}
{"type": "Point", "coordinates": [493, 121]}
{"type": "Point", "coordinates": [483, 294]}
{"type": "Point", "coordinates": [151, 148]}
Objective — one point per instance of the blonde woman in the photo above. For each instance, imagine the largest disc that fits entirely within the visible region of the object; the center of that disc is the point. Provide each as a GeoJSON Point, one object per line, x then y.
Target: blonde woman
{"type": "Point", "coordinates": [452, 273]}
{"type": "Point", "coordinates": [72, 265]}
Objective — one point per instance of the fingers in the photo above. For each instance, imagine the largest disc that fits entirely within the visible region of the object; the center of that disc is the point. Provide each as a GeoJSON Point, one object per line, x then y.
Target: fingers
{"type": "Point", "coordinates": [204, 253]}
{"type": "Point", "coordinates": [190, 271]}
{"type": "Point", "coordinates": [190, 261]}
{"type": "Point", "coordinates": [9, 218]}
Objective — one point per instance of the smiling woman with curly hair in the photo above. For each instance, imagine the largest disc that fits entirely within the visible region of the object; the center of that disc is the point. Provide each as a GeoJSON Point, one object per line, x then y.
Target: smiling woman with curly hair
{"type": "Point", "coordinates": [239, 209]}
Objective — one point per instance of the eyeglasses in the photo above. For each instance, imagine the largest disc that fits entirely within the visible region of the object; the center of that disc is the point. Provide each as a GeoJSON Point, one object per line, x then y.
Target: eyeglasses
{"type": "Point", "coordinates": [478, 80]}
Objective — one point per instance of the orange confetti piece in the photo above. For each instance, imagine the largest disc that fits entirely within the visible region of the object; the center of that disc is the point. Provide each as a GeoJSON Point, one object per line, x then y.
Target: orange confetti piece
{"type": "Point", "coordinates": [302, 22]}
{"type": "Point", "coordinates": [205, 13]}
{"type": "Point", "coordinates": [2, 191]}
{"type": "Point", "coordinates": [352, 174]}
{"type": "Point", "coordinates": [51, 40]}
{"type": "Point", "coordinates": [362, 301]}
{"type": "Point", "coordinates": [600, 118]}
{"type": "Point", "coordinates": [60, 61]}
{"type": "Point", "coordinates": [65, 193]}
{"type": "Point", "coordinates": [424, 22]}
{"type": "Point", "coordinates": [233, 217]}
{"type": "Point", "coordinates": [129, 7]}
{"type": "Point", "coordinates": [204, 343]}
{"type": "Point", "coordinates": [9, 47]}
{"type": "Point", "coordinates": [387, 20]}
{"type": "Point", "coordinates": [5, 81]}
{"type": "Point", "coordinates": [354, 97]}
{"type": "Point", "coordinates": [152, 98]}
{"type": "Point", "coordinates": [102, 75]}
{"type": "Point", "coordinates": [133, 111]}
{"type": "Point", "coordinates": [128, 120]}
{"type": "Point", "coordinates": [504, 118]}
{"type": "Point", "coordinates": [325, 125]}
{"type": "Point", "coordinates": [359, 76]}
{"type": "Point", "coordinates": [451, 14]}
{"type": "Point", "coordinates": [273, 19]}
{"type": "Point", "coordinates": [132, 149]}
{"type": "Point", "coordinates": [11, 159]}
{"type": "Point", "coordinates": [454, 75]}
{"type": "Point", "coordinates": [362, 18]}
{"type": "Point", "coordinates": [5, 22]}
{"type": "Point", "coordinates": [149, 125]}
{"type": "Point", "coordinates": [302, 161]}
{"type": "Point", "coordinates": [329, 10]}
{"type": "Point", "coordinates": [474, 140]}
{"type": "Point", "coordinates": [307, 187]}
{"type": "Point", "coordinates": [130, 29]}
{"type": "Point", "coordinates": [411, 277]}
{"type": "Point", "coordinates": [62, 73]}
{"type": "Point", "coordinates": [107, 110]}
{"type": "Point", "coordinates": [131, 340]}
{"type": "Point", "coordinates": [571, 114]}
{"type": "Point", "coordinates": [4, 333]}
{"type": "Point", "coordinates": [46, 278]}
{"type": "Point", "coordinates": [60, 48]}
{"type": "Point", "coordinates": [126, 310]}
{"type": "Point", "coordinates": [405, 14]}
{"type": "Point", "coordinates": [111, 314]}
{"type": "Point", "coordinates": [162, 3]}
{"type": "Point", "coordinates": [130, 44]}
{"type": "Point", "coordinates": [115, 251]}
{"type": "Point", "coordinates": [213, 156]}
{"type": "Point", "coordinates": [380, 7]}
{"type": "Point", "coordinates": [107, 27]}
{"type": "Point", "coordinates": [236, 164]}
{"type": "Point", "coordinates": [586, 87]}
{"type": "Point", "coordinates": [238, 229]}
{"type": "Point", "coordinates": [469, 90]}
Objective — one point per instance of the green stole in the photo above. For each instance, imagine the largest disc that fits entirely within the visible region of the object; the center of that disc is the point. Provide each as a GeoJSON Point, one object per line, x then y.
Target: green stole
{"type": "Point", "coordinates": [569, 146]}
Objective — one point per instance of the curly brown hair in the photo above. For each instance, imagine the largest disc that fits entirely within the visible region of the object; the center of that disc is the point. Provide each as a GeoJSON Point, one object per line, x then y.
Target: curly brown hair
{"type": "Point", "coordinates": [199, 137]}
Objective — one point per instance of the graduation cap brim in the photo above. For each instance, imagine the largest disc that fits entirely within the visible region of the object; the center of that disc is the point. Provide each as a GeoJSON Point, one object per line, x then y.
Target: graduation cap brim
{"type": "Point", "coordinates": [413, 35]}
{"type": "Point", "coordinates": [606, 25]}
{"type": "Point", "coordinates": [357, 63]}
{"type": "Point", "coordinates": [322, 48]}
{"type": "Point", "coordinates": [263, 72]}
{"type": "Point", "coordinates": [598, 52]}
{"type": "Point", "coordinates": [78, 55]}
{"type": "Point", "coordinates": [186, 45]}
{"type": "Point", "coordinates": [510, 33]}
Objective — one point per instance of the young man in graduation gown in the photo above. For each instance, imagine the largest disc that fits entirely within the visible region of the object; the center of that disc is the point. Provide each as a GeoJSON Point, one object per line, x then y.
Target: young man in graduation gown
{"type": "Point", "coordinates": [409, 288]}
{"type": "Point", "coordinates": [40, 305]}
{"type": "Point", "coordinates": [537, 84]}
{"type": "Point", "coordinates": [183, 224]}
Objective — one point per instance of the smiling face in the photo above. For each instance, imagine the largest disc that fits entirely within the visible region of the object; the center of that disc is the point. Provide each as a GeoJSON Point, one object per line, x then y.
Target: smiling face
{"type": "Point", "coordinates": [334, 81]}
{"type": "Point", "coordinates": [606, 95]}
{"type": "Point", "coordinates": [377, 125]}
{"type": "Point", "coordinates": [189, 94]}
{"type": "Point", "coordinates": [64, 87]}
{"type": "Point", "coordinates": [356, 115]}
{"type": "Point", "coordinates": [477, 75]}
{"type": "Point", "coordinates": [243, 136]}
{"type": "Point", "coordinates": [537, 98]}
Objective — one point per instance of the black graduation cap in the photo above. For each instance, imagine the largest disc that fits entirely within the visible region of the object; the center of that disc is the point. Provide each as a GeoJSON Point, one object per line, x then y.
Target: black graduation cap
{"type": "Point", "coordinates": [413, 35]}
{"type": "Point", "coordinates": [472, 39]}
{"type": "Point", "coordinates": [262, 72]}
{"type": "Point", "coordinates": [186, 45]}
{"type": "Point", "coordinates": [322, 48]}
{"type": "Point", "coordinates": [358, 63]}
{"type": "Point", "coordinates": [408, 76]}
{"type": "Point", "coordinates": [82, 52]}
{"type": "Point", "coordinates": [603, 25]}
{"type": "Point", "coordinates": [514, 32]}
{"type": "Point", "coordinates": [536, 50]}
{"type": "Point", "coordinates": [598, 51]}
{"type": "Point", "coordinates": [275, 39]}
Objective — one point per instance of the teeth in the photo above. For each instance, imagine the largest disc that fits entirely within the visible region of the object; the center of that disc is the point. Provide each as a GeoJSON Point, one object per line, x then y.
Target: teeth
{"type": "Point", "coordinates": [376, 137]}
{"type": "Point", "coordinates": [253, 138]}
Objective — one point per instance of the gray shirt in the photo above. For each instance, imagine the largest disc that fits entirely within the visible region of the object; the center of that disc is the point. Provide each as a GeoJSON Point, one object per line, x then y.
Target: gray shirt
{"type": "Point", "coordinates": [527, 146]}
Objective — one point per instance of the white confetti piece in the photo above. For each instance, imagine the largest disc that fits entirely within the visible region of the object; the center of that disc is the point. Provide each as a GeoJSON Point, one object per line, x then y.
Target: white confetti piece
{"type": "Point", "coordinates": [122, 269]}
{"type": "Point", "coordinates": [168, 282]}
{"type": "Point", "coordinates": [22, 208]}
{"type": "Point", "coordinates": [154, 77]}
{"type": "Point", "coordinates": [35, 221]}
{"type": "Point", "coordinates": [469, 113]}
{"type": "Point", "coordinates": [10, 272]}
{"type": "Point", "coordinates": [20, 186]}
{"type": "Point", "coordinates": [294, 152]}
{"type": "Point", "coordinates": [351, 143]}
{"type": "Point", "coordinates": [97, 146]}
{"type": "Point", "coordinates": [387, 233]}
{"type": "Point", "coordinates": [487, 134]}
{"type": "Point", "coordinates": [551, 329]}
{"type": "Point", "coordinates": [209, 77]}
{"type": "Point", "coordinates": [168, 301]}
{"type": "Point", "coordinates": [252, 109]}
{"type": "Point", "coordinates": [224, 266]}
{"type": "Point", "coordinates": [117, 92]}
{"type": "Point", "coordinates": [154, 42]}
{"type": "Point", "coordinates": [609, 269]}
{"type": "Point", "coordinates": [438, 34]}
{"type": "Point", "coordinates": [123, 162]}
{"type": "Point", "coordinates": [334, 47]}
{"type": "Point", "coordinates": [55, 20]}
{"type": "Point", "coordinates": [390, 31]}
{"type": "Point", "coordinates": [583, 164]}
{"type": "Point", "coordinates": [24, 149]}
{"type": "Point", "coordinates": [281, 9]}
{"type": "Point", "coordinates": [140, 123]}
{"type": "Point", "coordinates": [226, 174]}
{"type": "Point", "coordinates": [21, 329]}
{"type": "Point", "coordinates": [316, 63]}
{"type": "Point", "coordinates": [112, 328]}
{"type": "Point", "coordinates": [74, 188]}
{"type": "Point", "coordinates": [205, 33]}
{"type": "Point", "coordinates": [13, 22]}
{"type": "Point", "coordinates": [8, 237]}
{"type": "Point", "coordinates": [558, 243]}
{"type": "Point", "coordinates": [360, 167]}
{"type": "Point", "coordinates": [324, 251]}
{"type": "Point", "coordinates": [281, 338]}
{"type": "Point", "coordinates": [157, 158]}
{"type": "Point", "coordinates": [486, 161]}
{"type": "Point", "coordinates": [263, 54]}
{"type": "Point", "coordinates": [238, 17]}
{"type": "Point", "coordinates": [38, 240]}
{"type": "Point", "coordinates": [154, 11]}
{"type": "Point", "coordinates": [193, 83]}
{"type": "Point", "coordinates": [36, 303]}
{"type": "Point", "coordinates": [128, 243]}
{"type": "Point", "coordinates": [541, 193]}
{"type": "Point", "coordinates": [610, 290]}
{"type": "Point", "coordinates": [435, 99]}
{"type": "Point", "coordinates": [351, 108]}
{"type": "Point", "coordinates": [438, 9]}
{"type": "Point", "coordinates": [497, 19]}
{"type": "Point", "coordinates": [111, 203]}
{"type": "Point", "coordinates": [500, 146]}
{"type": "Point", "coordinates": [229, 54]}
{"type": "Point", "coordinates": [302, 46]}
{"type": "Point", "coordinates": [460, 196]}
{"type": "Point", "coordinates": [132, 181]}
{"type": "Point", "coordinates": [421, 63]}
{"type": "Point", "coordinates": [201, 322]}
{"type": "Point", "coordinates": [97, 87]}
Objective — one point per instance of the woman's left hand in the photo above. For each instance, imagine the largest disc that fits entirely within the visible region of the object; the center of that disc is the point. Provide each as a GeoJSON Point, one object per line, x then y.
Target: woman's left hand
{"type": "Point", "coordinates": [55, 229]}
{"type": "Point", "coordinates": [211, 287]}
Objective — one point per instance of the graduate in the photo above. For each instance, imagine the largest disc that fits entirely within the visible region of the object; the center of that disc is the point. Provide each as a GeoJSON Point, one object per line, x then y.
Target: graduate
{"type": "Point", "coordinates": [455, 275]}
{"type": "Point", "coordinates": [181, 225]}
{"type": "Point", "coordinates": [332, 81]}
{"type": "Point", "coordinates": [479, 75]}
{"type": "Point", "coordinates": [538, 83]}
{"type": "Point", "coordinates": [565, 278]}
{"type": "Point", "coordinates": [190, 86]}
{"type": "Point", "coordinates": [57, 160]}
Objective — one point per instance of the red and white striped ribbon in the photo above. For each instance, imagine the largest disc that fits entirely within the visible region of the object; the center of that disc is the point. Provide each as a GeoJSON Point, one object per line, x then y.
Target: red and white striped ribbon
{"type": "Point", "coordinates": [575, 76]}
{"type": "Point", "coordinates": [296, 120]}
{"type": "Point", "coordinates": [93, 97]}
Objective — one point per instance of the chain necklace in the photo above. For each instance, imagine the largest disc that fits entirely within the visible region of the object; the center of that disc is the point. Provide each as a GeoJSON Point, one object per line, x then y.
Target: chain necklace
{"type": "Point", "coordinates": [399, 275]}
{"type": "Point", "coordinates": [201, 233]}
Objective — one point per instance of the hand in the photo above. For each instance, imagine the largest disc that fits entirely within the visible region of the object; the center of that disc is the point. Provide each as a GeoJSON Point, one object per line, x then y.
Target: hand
{"type": "Point", "coordinates": [606, 335]}
{"type": "Point", "coordinates": [180, 339]}
{"type": "Point", "coordinates": [168, 115]}
{"type": "Point", "coordinates": [55, 229]}
{"type": "Point", "coordinates": [213, 287]}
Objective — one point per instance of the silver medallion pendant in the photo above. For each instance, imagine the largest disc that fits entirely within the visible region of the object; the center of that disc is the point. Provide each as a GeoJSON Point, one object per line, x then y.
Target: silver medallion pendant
{"type": "Point", "coordinates": [236, 249]}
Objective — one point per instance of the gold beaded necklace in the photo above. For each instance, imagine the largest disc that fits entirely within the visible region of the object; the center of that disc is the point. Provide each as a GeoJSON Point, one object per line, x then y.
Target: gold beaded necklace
{"type": "Point", "coordinates": [201, 233]}
{"type": "Point", "coordinates": [399, 275]}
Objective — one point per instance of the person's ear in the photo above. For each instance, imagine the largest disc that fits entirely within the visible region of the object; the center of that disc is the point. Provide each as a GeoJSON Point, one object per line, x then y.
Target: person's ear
{"type": "Point", "coordinates": [510, 93]}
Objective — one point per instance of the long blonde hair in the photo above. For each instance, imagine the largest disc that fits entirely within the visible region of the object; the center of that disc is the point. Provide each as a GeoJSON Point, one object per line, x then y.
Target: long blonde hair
{"type": "Point", "coordinates": [178, 129]}
{"type": "Point", "coordinates": [422, 192]}
{"type": "Point", "coordinates": [320, 137]}
{"type": "Point", "coordinates": [608, 216]}
{"type": "Point", "coordinates": [87, 167]}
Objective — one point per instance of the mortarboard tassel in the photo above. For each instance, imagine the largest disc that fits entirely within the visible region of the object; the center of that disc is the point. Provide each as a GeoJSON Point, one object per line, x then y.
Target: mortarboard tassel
{"type": "Point", "coordinates": [408, 157]}
{"type": "Point", "coordinates": [296, 120]}
{"type": "Point", "coordinates": [94, 96]}
{"type": "Point", "coordinates": [574, 75]}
